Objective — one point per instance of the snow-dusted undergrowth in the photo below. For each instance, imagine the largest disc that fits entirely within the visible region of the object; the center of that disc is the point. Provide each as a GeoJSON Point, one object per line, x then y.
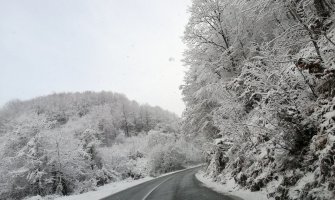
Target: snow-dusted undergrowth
{"type": "Point", "coordinates": [230, 188]}
{"type": "Point", "coordinates": [99, 193]}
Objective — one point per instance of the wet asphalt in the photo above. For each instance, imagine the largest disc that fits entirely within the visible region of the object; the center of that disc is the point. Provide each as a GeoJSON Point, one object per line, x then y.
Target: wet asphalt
{"type": "Point", "coordinates": [178, 186]}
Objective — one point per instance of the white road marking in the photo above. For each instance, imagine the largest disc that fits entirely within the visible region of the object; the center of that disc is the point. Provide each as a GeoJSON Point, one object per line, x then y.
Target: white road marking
{"type": "Point", "coordinates": [146, 196]}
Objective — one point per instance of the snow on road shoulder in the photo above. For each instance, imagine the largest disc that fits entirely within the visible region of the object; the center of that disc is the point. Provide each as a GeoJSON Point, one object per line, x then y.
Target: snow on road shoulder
{"type": "Point", "coordinates": [115, 187]}
{"type": "Point", "coordinates": [106, 190]}
{"type": "Point", "coordinates": [101, 192]}
{"type": "Point", "coordinates": [188, 167]}
{"type": "Point", "coordinates": [230, 188]}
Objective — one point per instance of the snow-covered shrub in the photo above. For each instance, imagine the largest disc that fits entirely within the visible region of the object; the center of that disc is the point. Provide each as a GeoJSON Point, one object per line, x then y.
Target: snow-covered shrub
{"type": "Point", "coordinates": [128, 156]}
{"type": "Point", "coordinates": [153, 153]}
{"type": "Point", "coordinates": [165, 159]}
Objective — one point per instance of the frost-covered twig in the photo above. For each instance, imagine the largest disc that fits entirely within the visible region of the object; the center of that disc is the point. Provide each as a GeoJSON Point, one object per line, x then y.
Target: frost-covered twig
{"type": "Point", "coordinates": [306, 81]}
{"type": "Point", "coordinates": [329, 40]}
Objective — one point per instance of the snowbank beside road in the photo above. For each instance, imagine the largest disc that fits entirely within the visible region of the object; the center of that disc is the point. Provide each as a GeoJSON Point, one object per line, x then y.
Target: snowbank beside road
{"type": "Point", "coordinates": [100, 193]}
{"type": "Point", "coordinates": [107, 189]}
{"type": "Point", "coordinates": [230, 188]}
{"type": "Point", "coordinates": [113, 188]}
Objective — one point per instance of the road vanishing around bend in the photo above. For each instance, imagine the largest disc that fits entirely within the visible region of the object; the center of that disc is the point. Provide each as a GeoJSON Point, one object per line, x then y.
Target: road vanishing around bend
{"type": "Point", "coordinates": [178, 186]}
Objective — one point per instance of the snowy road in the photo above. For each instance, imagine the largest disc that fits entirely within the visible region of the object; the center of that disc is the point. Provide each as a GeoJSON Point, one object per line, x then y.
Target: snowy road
{"type": "Point", "coordinates": [178, 186]}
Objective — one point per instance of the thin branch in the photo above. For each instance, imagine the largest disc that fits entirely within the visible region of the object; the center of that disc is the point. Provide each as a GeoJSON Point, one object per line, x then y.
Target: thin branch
{"type": "Point", "coordinates": [306, 81]}
{"type": "Point", "coordinates": [329, 40]}
{"type": "Point", "coordinates": [205, 40]}
{"type": "Point", "coordinates": [284, 33]}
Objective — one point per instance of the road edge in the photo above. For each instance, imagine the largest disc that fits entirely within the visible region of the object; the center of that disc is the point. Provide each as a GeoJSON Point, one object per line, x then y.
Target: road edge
{"type": "Point", "coordinates": [228, 190]}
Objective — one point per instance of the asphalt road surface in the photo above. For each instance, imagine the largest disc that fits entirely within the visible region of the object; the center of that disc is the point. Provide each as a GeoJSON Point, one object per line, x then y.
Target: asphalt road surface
{"type": "Point", "coordinates": [178, 186]}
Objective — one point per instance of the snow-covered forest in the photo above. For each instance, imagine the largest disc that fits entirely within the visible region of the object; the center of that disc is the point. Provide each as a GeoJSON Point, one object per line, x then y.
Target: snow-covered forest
{"type": "Point", "coordinates": [259, 91]}
{"type": "Point", "coordinates": [260, 87]}
{"type": "Point", "coordinates": [71, 143]}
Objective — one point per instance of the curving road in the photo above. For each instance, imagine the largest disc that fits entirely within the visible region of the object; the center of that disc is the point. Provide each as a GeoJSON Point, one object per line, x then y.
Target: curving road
{"type": "Point", "coordinates": [178, 186]}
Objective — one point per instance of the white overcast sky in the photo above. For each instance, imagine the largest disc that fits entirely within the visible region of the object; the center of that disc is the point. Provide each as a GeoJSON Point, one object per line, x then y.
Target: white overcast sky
{"type": "Point", "coordinates": [128, 46]}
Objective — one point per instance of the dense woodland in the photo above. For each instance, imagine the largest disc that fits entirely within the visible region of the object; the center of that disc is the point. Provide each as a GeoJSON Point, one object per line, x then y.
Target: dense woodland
{"type": "Point", "coordinates": [261, 85]}
{"type": "Point", "coordinates": [71, 143]}
{"type": "Point", "coordinates": [260, 108]}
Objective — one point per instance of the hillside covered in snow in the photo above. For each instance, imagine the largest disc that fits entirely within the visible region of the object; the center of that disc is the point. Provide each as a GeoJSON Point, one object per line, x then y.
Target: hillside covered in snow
{"type": "Point", "coordinates": [261, 89]}
{"type": "Point", "coordinates": [71, 143]}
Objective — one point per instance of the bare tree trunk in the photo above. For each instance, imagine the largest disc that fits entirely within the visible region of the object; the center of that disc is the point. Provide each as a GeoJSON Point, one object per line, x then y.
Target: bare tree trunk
{"type": "Point", "coordinates": [147, 121]}
{"type": "Point", "coordinates": [311, 33]}
{"type": "Point", "coordinates": [59, 187]}
{"type": "Point", "coordinates": [125, 121]}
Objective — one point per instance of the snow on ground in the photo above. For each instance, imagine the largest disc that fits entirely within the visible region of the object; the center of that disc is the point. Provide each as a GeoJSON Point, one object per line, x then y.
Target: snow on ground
{"type": "Point", "coordinates": [100, 193]}
{"type": "Point", "coordinates": [112, 188]}
{"type": "Point", "coordinates": [230, 188]}
{"type": "Point", "coordinates": [106, 190]}
{"type": "Point", "coordinates": [294, 191]}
